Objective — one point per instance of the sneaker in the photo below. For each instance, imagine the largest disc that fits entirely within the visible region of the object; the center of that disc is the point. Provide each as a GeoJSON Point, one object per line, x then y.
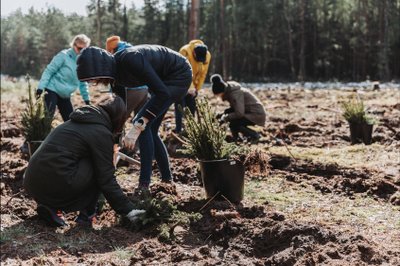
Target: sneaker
{"type": "Point", "coordinates": [52, 217]}
{"type": "Point", "coordinates": [85, 220]}
{"type": "Point", "coordinates": [141, 190]}
{"type": "Point", "coordinates": [24, 148]}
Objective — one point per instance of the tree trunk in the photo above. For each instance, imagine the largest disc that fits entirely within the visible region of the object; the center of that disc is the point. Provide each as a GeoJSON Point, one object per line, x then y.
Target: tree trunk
{"type": "Point", "coordinates": [194, 20]}
{"type": "Point", "coordinates": [384, 72]}
{"type": "Point", "coordinates": [98, 22]}
{"type": "Point", "coordinates": [302, 59]}
{"type": "Point", "coordinates": [223, 41]}
{"type": "Point", "coordinates": [125, 25]}
{"type": "Point", "coordinates": [290, 39]}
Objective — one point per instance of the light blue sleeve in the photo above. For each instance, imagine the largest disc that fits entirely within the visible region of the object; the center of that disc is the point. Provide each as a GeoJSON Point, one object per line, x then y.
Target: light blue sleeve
{"type": "Point", "coordinates": [51, 69]}
{"type": "Point", "coordinates": [84, 89]}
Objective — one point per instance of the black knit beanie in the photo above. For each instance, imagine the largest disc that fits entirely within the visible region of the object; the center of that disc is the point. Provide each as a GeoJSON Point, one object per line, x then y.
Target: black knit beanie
{"type": "Point", "coordinates": [200, 51]}
{"type": "Point", "coordinates": [95, 63]}
{"type": "Point", "coordinates": [218, 84]}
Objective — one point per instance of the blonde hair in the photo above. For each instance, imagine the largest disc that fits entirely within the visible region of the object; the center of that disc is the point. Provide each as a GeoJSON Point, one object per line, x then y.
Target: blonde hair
{"type": "Point", "coordinates": [80, 38]}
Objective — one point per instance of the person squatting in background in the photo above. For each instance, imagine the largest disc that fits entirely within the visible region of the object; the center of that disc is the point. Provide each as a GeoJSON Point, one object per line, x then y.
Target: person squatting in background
{"type": "Point", "coordinates": [60, 80]}
{"type": "Point", "coordinates": [134, 97]}
{"type": "Point", "coordinates": [74, 164]}
{"type": "Point", "coordinates": [199, 57]}
{"type": "Point", "coordinates": [166, 73]}
{"type": "Point", "coordinates": [245, 108]}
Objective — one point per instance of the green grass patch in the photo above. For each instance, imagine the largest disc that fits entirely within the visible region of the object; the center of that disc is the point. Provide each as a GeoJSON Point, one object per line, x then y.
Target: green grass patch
{"type": "Point", "coordinates": [369, 156]}
{"type": "Point", "coordinates": [301, 202]}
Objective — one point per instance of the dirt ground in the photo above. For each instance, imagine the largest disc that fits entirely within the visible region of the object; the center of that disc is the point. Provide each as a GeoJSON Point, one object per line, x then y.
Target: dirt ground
{"type": "Point", "coordinates": [311, 198]}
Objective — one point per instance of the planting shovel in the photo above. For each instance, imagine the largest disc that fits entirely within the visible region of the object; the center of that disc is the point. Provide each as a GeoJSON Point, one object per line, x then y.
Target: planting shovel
{"type": "Point", "coordinates": [126, 158]}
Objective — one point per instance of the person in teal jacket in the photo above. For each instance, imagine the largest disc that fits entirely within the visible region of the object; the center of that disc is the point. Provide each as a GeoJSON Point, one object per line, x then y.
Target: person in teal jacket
{"type": "Point", "coordinates": [60, 79]}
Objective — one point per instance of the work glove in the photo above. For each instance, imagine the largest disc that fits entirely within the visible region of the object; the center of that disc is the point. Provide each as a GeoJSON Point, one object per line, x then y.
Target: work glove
{"type": "Point", "coordinates": [133, 134]}
{"type": "Point", "coordinates": [87, 102]}
{"type": "Point", "coordinates": [192, 92]}
{"type": "Point", "coordinates": [134, 214]}
{"type": "Point", "coordinates": [38, 93]}
{"type": "Point", "coordinates": [222, 120]}
{"type": "Point", "coordinates": [115, 155]}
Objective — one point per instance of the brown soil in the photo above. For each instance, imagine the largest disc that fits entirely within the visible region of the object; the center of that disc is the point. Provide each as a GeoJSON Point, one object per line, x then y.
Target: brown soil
{"type": "Point", "coordinates": [261, 235]}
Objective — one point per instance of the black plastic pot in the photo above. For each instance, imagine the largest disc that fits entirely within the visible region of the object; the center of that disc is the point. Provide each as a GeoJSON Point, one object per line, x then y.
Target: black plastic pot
{"type": "Point", "coordinates": [367, 133]}
{"type": "Point", "coordinates": [355, 133]}
{"type": "Point", "coordinates": [361, 133]}
{"type": "Point", "coordinates": [223, 176]}
{"type": "Point", "coordinates": [33, 146]}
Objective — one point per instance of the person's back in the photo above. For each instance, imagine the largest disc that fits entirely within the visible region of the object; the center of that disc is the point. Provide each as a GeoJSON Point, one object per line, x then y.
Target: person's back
{"type": "Point", "coordinates": [75, 163]}
{"type": "Point", "coordinates": [134, 63]}
{"type": "Point", "coordinates": [245, 108]}
{"type": "Point", "coordinates": [253, 108]}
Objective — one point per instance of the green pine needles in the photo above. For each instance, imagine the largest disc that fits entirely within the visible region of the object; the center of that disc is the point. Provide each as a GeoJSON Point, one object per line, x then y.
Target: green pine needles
{"type": "Point", "coordinates": [36, 121]}
{"type": "Point", "coordinates": [354, 112]}
{"type": "Point", "coordinates": [205, 138]}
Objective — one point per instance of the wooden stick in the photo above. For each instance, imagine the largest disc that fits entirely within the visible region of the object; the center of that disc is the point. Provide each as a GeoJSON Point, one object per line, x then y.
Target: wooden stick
{"type": "Point", "coordinates": [287, 148]}
{"type": "Point", "coordinates": [13, 196]}
{"type": "Point", "coordinates": [178, 138]}
{"type": "Point", "coordinates": [222, 195]}
{"type": "Point", "coordinates": [128, 159]}
{"type": "Point", "coordinates": [209, 201]}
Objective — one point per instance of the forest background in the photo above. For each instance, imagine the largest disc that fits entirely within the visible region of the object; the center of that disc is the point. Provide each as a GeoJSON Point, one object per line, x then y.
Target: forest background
{"type": "Point", "coordinates": [252, 40]}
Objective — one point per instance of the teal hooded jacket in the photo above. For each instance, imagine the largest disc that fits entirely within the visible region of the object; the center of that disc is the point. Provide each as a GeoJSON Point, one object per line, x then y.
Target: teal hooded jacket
{"type": "Point", "coordinates": [60, 76]}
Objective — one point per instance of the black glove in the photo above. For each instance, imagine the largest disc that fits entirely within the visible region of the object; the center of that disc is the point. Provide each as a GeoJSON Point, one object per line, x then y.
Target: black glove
{"type": "Point", "coordinates": [38, 93]}
{"type": "Point", "coordinates": [87, 102]}
{"type": "Point", "coordinates": [229, 110]}
{"type": "Point", "coordinates": [218, 116]}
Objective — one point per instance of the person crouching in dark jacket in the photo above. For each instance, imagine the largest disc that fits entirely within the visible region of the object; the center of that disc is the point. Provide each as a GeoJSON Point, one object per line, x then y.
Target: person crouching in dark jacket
{"type": "Point", "coordinates": [245, 108]}
{"type": "Point", "coordinates": [74, 164]}
{"type": "Point", "coordinates": [168, 76]}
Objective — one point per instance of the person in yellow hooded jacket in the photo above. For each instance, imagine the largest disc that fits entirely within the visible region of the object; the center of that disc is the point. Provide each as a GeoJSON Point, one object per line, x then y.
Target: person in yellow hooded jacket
{"type": "Point", "coordinates": [199, 57]}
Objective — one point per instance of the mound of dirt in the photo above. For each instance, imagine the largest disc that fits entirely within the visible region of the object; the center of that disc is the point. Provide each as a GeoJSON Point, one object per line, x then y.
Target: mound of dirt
{"type": "Point", "coordinates": [330, 178]}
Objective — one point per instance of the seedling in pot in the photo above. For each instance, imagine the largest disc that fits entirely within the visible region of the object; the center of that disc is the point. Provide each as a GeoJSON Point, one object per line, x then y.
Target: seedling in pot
{"type": "Point", "coordinates": [36, 120]}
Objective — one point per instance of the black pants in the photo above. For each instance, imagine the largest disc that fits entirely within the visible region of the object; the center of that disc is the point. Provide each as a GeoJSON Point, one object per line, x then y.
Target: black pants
{"type": "Point", "coordinates": [240, 125]}
{"type": "Point", "coordinates": [64, 105]}
{"type": "Point", "coordinates": [190, 102]}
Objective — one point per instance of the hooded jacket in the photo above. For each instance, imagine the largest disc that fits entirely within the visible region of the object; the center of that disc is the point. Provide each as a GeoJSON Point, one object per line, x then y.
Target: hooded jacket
{"type": "Point", "coordinates": [74, 157]}
{"type": "Point", "coordinates": [166, 73]}
{"type": "Point", "coordinates": [199, 69]}
{"type": "Point", "coordinates": [60, 76]}
{"type": "Point", "coordinates": [244, 103]}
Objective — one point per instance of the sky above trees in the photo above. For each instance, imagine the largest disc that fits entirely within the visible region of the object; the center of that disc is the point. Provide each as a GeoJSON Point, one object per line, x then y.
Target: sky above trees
{"type": "Point", "coordinates": [67, 6]}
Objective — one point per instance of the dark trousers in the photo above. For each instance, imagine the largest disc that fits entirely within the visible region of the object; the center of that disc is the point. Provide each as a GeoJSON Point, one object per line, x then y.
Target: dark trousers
{"type": "Point", "coordinates": [240, 125]}
{"type": "Point", "coordinates": [190, 102]}
{"type": "Point", "coordinates": [64, 105]}
{"type": "Point", "coordinates": [79, 192]}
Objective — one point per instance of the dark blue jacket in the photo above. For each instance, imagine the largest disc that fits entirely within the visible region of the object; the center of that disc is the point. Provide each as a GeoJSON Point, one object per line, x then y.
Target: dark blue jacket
{"type": "Point", "coordinates": [167, 73]}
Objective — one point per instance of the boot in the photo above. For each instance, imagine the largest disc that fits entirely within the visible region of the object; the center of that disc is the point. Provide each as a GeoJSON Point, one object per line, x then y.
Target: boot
{"type": "Point", "coordinates": [52, 217]}
{"type": "Point", "coordinates": [85, 219]}
{"type": "Point", "coordinates": [249, 133]}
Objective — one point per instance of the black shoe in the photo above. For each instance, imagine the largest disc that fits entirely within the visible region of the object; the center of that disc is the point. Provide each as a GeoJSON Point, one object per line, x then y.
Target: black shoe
{"type": "Point", "coordinates": [142, 190]}
{"type": "Point", "coordinates": [52, 217]}
{"type": "Point", "coordinates": [85, 220]}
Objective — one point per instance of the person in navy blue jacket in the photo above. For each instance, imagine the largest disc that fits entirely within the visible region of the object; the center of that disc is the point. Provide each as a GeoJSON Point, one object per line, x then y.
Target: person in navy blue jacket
{"type": "Point", "coordinates": [168, 76]}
